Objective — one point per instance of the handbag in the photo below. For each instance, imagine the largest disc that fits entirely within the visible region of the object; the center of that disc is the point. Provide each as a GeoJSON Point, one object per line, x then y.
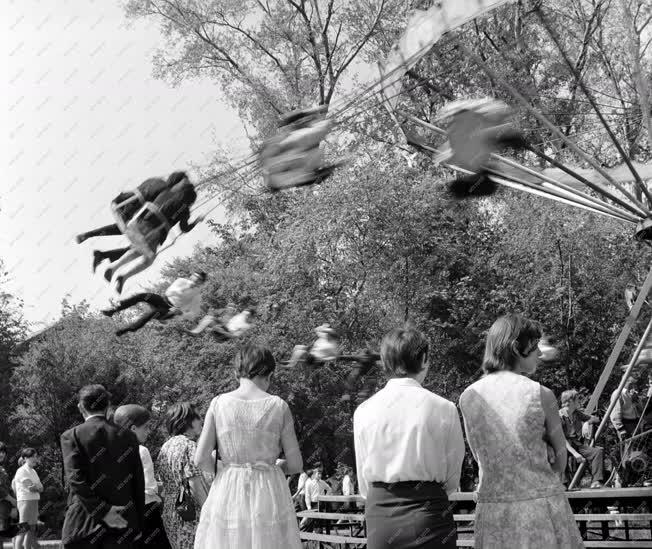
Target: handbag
{"type": "Point", "coordinates": [185, 504]}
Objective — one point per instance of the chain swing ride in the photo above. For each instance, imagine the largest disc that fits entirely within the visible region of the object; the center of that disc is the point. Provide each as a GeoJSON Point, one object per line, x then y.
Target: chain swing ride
{"type": "Point", "coordinates": [474, 131]}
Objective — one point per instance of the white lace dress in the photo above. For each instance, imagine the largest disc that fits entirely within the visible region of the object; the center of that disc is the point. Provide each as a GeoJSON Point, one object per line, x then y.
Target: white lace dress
{"type": "Point", "coordinates": [249, 505]}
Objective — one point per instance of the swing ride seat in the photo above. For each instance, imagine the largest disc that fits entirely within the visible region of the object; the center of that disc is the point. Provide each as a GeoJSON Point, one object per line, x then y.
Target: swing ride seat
{"type": "Point", "coordinates": [644, 229]}
{"type": "Point", "coordinates": [292, 157]}
{"type": "Point", "coordinates": [120, 210]}
{"type": "Point", "coordinates": [302, 115]}
{"type": "Point", "coordinates": [473, 137]}
{"type": "Point", "coordinates": [307, 161]}
{"type": "Point", "coordinates": [303, 139]}
{"type": "Point", "coordinates": [298, 178]}
{"type": "Point", "coordinates": [147, 244]}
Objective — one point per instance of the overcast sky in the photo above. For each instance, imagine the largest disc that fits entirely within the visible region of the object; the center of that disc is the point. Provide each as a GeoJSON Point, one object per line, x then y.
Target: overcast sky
{"type": "Point", "coordinates": [84, 120]}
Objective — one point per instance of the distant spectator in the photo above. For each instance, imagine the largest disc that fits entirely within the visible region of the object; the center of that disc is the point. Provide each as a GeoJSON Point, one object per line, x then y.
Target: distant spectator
{"type": "Point", "coordinates": [175, 463]}
{"type": "Point", "coordinates": [315, 487]}
{"type": "Point", "coordinates": [299, 497]}
{"type": "Point", "coordinates": [27, 487]}
{"type": "Point", "coordinates": [137, 419]}
{"type": "Point", "coordinates": [7, 501]}
{"type": "Point", "coordinates": [627, 410]}
{"type": "Point", "coordinates": [348, 488]}
{"type": "Point", "coordinates": [572, 419]}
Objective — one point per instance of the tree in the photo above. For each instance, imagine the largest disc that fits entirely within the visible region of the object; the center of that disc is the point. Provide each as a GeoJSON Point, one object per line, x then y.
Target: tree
{"type": "Point", "coordinates": [12, 330]}
{"type": "Point", "coordinates": [268, 56]}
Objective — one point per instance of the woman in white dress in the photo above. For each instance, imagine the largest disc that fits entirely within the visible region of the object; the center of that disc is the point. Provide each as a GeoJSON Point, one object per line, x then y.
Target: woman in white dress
{"type": "Point", "coordinates": [249, 504]}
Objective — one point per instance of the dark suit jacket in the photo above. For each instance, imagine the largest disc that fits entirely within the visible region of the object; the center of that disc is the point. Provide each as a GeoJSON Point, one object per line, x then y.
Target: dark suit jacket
{"type": "Point", "coordinates": [103, 468]}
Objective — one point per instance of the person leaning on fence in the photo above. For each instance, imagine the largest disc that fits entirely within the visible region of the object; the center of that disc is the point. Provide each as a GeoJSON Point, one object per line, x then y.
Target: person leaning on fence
{"type": "Point", "coordinates": [572, 419]}
{"type": "Point", "coordinates": [314, 488]}
{"type": "Point", "coordinates": [627, 410]}
{"type": "Point", "coordinates": [624, 418]}
{"type": "Point", "coordinates": [299, 497]}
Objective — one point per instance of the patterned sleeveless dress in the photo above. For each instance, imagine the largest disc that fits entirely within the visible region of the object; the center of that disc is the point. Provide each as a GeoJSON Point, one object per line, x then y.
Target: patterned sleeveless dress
{"type": "Point", "coordinates": [521, 501]}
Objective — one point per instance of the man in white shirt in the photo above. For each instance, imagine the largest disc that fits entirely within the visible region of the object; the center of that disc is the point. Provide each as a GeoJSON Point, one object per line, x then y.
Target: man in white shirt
{"type": "Point", "coordinates": [409, 451]}
{"type": "Point", "coordinates": [347, 484]}
{"type": "Point", "coordinates": [183, 297]}
{"type": "Point", "coordinates": [300, 495]}
{"type": "Point", "coordinates": [314, 488]}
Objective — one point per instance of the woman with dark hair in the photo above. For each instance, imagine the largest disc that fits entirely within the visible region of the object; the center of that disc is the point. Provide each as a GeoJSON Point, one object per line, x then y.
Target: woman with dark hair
{"type": "Point", "coordinates": [249, 504]}
{"type": "Point", "coordinates": [150, 227]}
{"type": "Point", "coordinates": [27, 487]}
{"type": "Point", "coordinates": [174, 464]}
{"type": "Point", "coordinates": [511, 423]}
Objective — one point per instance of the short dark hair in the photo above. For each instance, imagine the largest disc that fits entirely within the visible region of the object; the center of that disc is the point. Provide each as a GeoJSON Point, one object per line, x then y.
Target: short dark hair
{"type": "Point", "coordinates": [201, 274]}
{"type": "Point", "coordinates": [187, 190]}
{"type": "Point", "coordinates": [508, 339]}
{"type": "Point", "coordinates": [403, 350]}
{"type": "Point", "coordinates": [179, 418]}
{"type": "Point", "coordinates": [28, 453]}
{"type": "Point", "coordinates": [3, 447]}
{"type": "Point", "coordinates": [131, 415]}
{"type": "Point", "coordinates": [176, 177]}
{"type": "Point", "coordinates": [254, 360]}
{"type": "Point", "coordinates": [94, 398]}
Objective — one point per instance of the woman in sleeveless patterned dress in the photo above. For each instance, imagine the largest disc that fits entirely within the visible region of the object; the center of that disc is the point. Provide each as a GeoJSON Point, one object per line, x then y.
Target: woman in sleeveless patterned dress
{"type": "Point", "coordinates": [511, 424]}
{"type": "Point", "coordinates": [249, 505]}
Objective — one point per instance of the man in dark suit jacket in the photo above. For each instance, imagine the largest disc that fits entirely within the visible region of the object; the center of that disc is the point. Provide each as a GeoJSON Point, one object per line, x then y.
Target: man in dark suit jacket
{"type": "Point", "coordinates": [106, 502]}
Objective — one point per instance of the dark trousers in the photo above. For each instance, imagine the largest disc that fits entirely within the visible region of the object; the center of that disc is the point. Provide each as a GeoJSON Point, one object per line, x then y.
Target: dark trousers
{"type": "Point", "coordinates": [159, 309]}
{"type": "Point", "coordinates": [154, 536]}
{"type": "Point", "coordinates": [107, 230]}
{"type": "Point", "coordinates": [113, 255]}
{"type": "Point", "coordinates": [628, 474]}
{"type": "Point", "coordinates": [594, 456]}
{"type": "Point", "coordinates": [409, 515]}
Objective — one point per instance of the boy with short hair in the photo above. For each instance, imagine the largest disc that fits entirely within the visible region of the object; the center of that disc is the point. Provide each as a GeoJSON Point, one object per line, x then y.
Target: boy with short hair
{"type": "Point", "coordinates": [572, 419]}
{"type": "Point", "coordinates": [136, 418]}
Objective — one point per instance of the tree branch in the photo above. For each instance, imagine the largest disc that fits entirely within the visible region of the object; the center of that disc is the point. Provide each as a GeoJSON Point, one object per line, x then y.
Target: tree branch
{"type": "Point", "coordinates": [356, 50]}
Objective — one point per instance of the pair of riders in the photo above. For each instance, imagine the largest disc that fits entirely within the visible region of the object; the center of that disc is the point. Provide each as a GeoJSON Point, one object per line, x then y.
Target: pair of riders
{"type": "Point", "coordinates": [145, 216]}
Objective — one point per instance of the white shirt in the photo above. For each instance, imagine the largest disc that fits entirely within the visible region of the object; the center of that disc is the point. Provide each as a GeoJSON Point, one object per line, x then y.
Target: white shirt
{"type": "Point", "coordinates": [301, 486]}
{"type": "Point", "coordinates": [185, 295]}
{"type": "Point", "coordinates": [314, 489]}
{"type": "Point", "coordinates": [151, 486]}
{"type": "Point", "coordinates": [25, 477]}
{"type": "Point", "coordinates": [239, 324]}
{"type": "Point", "coordinates": [347, 486]}
{"type": "Point", "coordinates": [405, 432]}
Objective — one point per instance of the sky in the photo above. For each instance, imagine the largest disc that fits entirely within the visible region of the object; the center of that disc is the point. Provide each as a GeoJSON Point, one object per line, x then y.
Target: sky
{"type": "Point", "coordinates": [85, 119]}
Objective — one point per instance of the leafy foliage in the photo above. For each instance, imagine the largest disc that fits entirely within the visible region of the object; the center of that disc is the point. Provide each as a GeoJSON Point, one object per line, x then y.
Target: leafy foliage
{"type": "Point", "coordinates": [380, 243]}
